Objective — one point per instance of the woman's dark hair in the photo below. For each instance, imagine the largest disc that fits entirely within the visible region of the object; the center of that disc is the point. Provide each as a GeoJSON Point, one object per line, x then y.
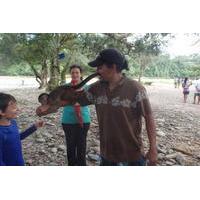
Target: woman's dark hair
{"type": "Point", "coordinates": [76, 67]}
{"type": "Point", "coordinates": [4, 101]}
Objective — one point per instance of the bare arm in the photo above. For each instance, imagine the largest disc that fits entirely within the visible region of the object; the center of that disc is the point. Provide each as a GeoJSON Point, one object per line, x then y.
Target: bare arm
{"type": "Point", "coordinates": [151, 132]}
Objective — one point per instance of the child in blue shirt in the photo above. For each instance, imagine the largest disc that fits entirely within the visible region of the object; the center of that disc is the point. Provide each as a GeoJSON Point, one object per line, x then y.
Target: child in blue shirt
{"type": "Point", "coordinates": [10, 138]}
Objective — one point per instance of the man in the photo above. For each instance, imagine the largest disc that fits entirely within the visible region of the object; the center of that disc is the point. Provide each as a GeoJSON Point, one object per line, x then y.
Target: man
{"type": "Point", "coordinates": [178, 82]}
{"type": "Point", "coordinates": [175, 82]}
{"type": "Point", "coordinates": [197, 91]}
{"type": "Point", "coordinates": [120, 104]}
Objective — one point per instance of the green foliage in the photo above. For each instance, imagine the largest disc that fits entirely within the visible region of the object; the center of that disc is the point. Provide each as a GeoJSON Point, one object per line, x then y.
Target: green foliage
{"type": "Point", "coordinates": [37, 54]}
{"type": "Point", "coordinates": [180, 66]}
{"type": "Point", "coordinates": [21, 69]}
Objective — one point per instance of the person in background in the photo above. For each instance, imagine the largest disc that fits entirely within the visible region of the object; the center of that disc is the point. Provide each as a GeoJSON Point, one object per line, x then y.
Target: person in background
{"type": "Point", "coordinates": [178, 82]}
{"type": "Point", "coordinates": [186, 88]}
{"type": "Point", "coordinates": [175, 82]}
{"type": "Point", "coordinates": [197, 91]}
{"type": "Point", "coordinates": [76, 122]}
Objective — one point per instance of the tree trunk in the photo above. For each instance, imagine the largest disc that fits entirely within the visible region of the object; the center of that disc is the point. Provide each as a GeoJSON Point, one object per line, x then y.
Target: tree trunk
{"type": "Point", "coordinates": [63, 75]}
{"type": "Point", "coordinates": [144, 61]}
{"type": "Point", "coordinates": [65, 70]}
{"type": "Point", "coordinates": [44, 75]}
{"type": "Point", "coordinates": [140, 74]}
{"type": "Point", "coordinates": [41, 77]}
{"type": "Point", "coordinates": [142, 68]}
{"type": "Point", "coordinates": [54, 74]}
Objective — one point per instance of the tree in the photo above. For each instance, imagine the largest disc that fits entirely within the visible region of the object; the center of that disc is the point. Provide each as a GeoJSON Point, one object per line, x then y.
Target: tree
{"type": "Point", "coordinates": [30, 48]}
{"type": "Point", "coordinates": [146, 48]}
{"type": "Point", "coordinates": [41, 52]}
{"type": "Point", "coordinates": [57, 43]}
{"type": "Point", "coordinates": [33, 50]}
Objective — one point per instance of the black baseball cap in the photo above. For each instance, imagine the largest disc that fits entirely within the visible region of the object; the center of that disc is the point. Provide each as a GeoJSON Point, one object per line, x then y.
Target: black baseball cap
{"type": "Point", "coordinates": [108, 56]}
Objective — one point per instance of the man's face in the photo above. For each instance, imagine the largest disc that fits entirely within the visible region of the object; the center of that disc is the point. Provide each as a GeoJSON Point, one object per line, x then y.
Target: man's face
{"type": "Point", "coordinates": [105, 72]}
{"type": "Point", "coordinates": [11, 111]}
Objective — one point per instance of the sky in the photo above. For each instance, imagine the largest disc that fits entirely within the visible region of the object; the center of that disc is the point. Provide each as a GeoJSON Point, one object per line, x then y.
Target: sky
{"type": "Point", "coordinates": [183, 44]}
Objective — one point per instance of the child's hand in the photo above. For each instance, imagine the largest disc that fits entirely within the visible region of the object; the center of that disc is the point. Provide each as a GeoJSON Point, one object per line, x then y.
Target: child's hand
{"type": "Point", "coordinates": [39, 124]}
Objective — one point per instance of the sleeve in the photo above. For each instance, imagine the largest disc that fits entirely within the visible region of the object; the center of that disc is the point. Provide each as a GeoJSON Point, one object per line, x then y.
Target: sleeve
{"type": "Point", "coordinates": [142, 103]}
{"type": "Point", "coordinates": [87, 97]}
{"type": "Point", "coordinates": [28, 132]}
{"type": "Point", "coordinates": [1, 150]}
{"type": "Point", "coordinates": [86, 87]}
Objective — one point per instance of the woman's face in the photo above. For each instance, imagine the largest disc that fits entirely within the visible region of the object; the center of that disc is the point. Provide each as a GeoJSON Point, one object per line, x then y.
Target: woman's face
{"type": "Point", "coordinates": [76, 74]}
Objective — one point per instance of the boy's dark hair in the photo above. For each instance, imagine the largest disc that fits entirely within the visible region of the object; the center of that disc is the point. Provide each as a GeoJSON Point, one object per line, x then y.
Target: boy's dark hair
{"type": "Point", "coordinates": [41, 95]}
{"type": "Point", "coordinates": [4, 101]}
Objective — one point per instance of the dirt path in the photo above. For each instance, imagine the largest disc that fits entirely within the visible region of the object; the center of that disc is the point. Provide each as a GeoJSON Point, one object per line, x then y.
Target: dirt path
{"type": "Point", "coordinates": [178, 125]}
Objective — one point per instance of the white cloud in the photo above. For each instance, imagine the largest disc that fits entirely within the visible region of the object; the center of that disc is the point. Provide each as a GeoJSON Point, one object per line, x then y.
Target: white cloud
{"type": "Point", "coordinates": [183, 44]}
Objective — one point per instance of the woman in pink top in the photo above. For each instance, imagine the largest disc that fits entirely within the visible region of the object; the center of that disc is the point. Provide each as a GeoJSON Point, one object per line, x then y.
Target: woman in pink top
{"type": "Point", "coordinates": [186, 85]}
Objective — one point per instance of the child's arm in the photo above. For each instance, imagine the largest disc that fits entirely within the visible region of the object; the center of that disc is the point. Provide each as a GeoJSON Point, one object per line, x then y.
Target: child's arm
{"type": "Point", "coordinates": [31, 130]}
{"type": "Point", "coordinates": [1, 151]}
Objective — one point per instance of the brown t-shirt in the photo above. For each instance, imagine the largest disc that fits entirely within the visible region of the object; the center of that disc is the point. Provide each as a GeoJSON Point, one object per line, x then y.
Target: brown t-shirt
{"type": "Point", "coordinates": [119, 114]}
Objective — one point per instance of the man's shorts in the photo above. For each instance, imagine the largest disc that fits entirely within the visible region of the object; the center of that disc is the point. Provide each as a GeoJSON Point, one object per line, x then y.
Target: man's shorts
{"type": "Point", "coordinates": [197, 94]}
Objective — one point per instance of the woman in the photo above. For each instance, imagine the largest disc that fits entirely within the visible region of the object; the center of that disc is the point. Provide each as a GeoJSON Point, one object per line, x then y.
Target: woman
{"type": "Point", "coordinates": [76, 122]}
{"type": "Point", "coordinates": [186, 84]}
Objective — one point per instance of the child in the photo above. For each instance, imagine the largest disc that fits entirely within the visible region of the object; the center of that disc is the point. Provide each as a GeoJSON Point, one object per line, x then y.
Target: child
{"type": "Point", "coordinates": [10, 144]}
{"type": "Point", "coordinates": [43, 98]}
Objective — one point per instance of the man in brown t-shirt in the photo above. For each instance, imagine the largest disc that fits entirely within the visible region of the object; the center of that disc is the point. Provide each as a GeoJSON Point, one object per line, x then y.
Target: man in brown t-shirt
{"type": "Point", "coordinates": [120, 105]}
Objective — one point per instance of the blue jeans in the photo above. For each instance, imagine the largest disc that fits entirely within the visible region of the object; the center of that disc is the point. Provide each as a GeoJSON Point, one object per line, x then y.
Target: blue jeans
{"type": "Point", "coordinates": [140, 162]}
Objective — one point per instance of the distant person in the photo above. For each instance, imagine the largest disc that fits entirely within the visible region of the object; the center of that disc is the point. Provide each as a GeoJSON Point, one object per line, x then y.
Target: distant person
{"type": "Point", "coordinates": [76, 122]}
{"type": "Point", "coordinates": [10, 138]}
{"type": "Point", "coordinates": [197, 91]}
{"type": "Point", "coordinates": [175, 82]}
{"type": "Point", "coordinates": [178, 82]}
{"type": "Point", "coordinates": [186, 85]}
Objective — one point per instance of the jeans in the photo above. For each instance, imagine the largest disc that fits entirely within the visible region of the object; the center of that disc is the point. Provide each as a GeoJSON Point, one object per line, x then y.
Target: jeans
{"type": "Point", "coordinates": [140, 162]}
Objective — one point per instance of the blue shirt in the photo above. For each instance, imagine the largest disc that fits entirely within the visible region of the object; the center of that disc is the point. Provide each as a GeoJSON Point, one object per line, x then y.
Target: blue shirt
{"type": "Point", "coordinates": [10, 144]}
{"type": "Point", "coordinates": [69, 115]}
